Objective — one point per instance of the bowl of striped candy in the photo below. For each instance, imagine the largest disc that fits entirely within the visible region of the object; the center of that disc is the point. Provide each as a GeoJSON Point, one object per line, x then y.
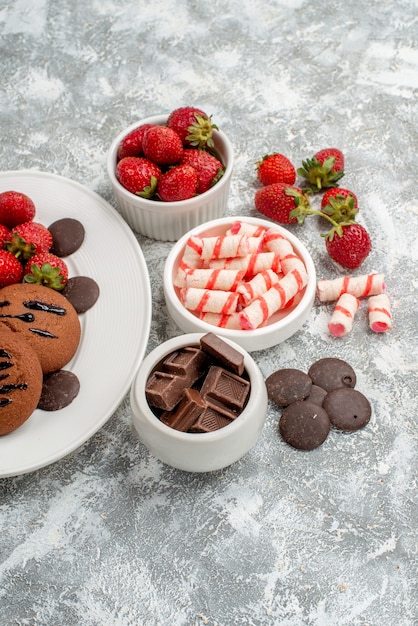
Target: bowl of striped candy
{"type": "Point", "coordinates": [245, 278]}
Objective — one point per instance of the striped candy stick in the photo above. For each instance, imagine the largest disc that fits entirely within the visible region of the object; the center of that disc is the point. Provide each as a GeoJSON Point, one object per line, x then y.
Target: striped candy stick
{"type": "Point", "coordinates": [257, 286]}
{"type": "Point", "coordinates": [341, 321]}
{"type": "Point", "coordinates": [358, 286]}
{"type": "Point", "coordinates": [261, 309]}
{"type": "Point", "coordinates": [209, 300]}
{"type": "Point", "coordinates": [380, 316]}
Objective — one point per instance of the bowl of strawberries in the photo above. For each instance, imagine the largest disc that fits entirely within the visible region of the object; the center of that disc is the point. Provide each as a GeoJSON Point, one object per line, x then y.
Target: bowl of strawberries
{"type": "Point", "coordinates": [170, 173]}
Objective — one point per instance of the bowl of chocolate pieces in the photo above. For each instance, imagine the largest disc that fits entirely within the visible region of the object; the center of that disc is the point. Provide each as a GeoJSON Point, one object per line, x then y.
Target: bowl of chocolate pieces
{"type": "Point", "coordinates": [198, 402]}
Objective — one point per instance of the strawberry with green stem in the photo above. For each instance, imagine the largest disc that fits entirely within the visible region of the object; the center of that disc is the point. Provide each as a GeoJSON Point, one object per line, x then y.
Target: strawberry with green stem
{"type": "Point", "coordinates": [323, 170]}
{"type": "Point", "coordinates": [46, 269]}
{"type": "Point", "coordinates": [348, 245]}
{"type": "Point", "coordinates": [194, 127]}
{"type": "Point", "coordinates": [341, 204]}
{"type": "Point", "coordinates": [209, 168]}
{"type": "Point", "coordinates": [347, 242]}
{"type": "Point", "coordinates": [282, 203]}
{"type": "Point", "coordinates": [28, 239]}
{"type": "Point", "coordinates": [138, 175]}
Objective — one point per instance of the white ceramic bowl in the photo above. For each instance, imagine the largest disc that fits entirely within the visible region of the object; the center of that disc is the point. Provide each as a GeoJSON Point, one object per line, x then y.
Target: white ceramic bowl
{"type": "Point", "coordinates": [168, 221]}
{"type": "Point", "coordinates": [198, 452]}
{"type": "Point", "coordinates": [281, 325]}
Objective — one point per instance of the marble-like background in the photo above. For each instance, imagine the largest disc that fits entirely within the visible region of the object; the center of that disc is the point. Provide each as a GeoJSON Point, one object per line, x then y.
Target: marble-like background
{"type": "Point", "coordinates": [109, 535]}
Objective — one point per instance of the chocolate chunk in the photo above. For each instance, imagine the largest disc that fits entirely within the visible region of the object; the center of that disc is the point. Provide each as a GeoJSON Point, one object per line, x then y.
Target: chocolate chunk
{"type": "Point", "coordinates": [179, 370]}
{"type": "Point", "coordinates": [210, 420]}
{"type": "Point", "coordinates": [316, 395]}
{"type": "Point", "coordinates": [304, 425]}
{"type": "Point", "coordinates": [67, 236]}
{"type": "Point", "coordinates": [164, 391]}
{"type": "Point", "coordinates": [288, 385]}
{"type": "Point", "coordinates": [58, 390]}
{"type": "Point", "coordinates": [187, 412]}
{"type": "Point", "coordinates": [190, 392]}
{"type": "Point", "coordinates": [82, 292]}
{"type": "Point", "coordinates": [222, 387]}
{"type": "Point", "coordinates": [348, 409]}
{"type": "Point", "coordinates": [189, 362]}
{"type": "Point", "coordinates": [221, 351]}
{"type": "Point", "coordinates": [331, 373]}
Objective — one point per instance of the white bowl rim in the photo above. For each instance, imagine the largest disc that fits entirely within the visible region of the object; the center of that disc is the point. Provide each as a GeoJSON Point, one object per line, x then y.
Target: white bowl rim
{"type": "Point", "coordinates": [286, 321]}
{"type": "Point", "coordinates": [138, 398]}
{"type": "Point", "coordinates": [151, 205]}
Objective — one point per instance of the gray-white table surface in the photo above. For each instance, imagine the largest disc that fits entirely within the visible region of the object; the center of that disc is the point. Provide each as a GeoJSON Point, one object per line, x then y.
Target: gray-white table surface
{"type": "Point", "coordinates": [111, 536]}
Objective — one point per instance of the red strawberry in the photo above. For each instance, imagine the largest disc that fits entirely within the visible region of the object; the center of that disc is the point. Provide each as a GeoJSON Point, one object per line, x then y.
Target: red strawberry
{"type": "Point", "coordinates": [15, 208]}
{"type": "Point", "coordinates": [162, 145]}
{"type": "Point", "coordinates": [348, 245]}
{"type": "Point", "coordinates": [208, 168]}
{"type": "Point", "coordinates": [278, 200]}
{"type": "Point", "coordinates": [46, 269]}
{"type": "Point", "coordinates": [11, 270]}
{"type": "Point", "coordinates": [28, 239]}
{"type": "Point", "coordinates": [275, 168]}
{"type": "Point", "coordinates": [323, 170]}
{"type": "Point", "coordinates": [5, 235]}
{"type": "Point", "coordinates": [138, 175]}
{"type": "Point", "coordinates": [178, 183]}
{"type": "Point", "coordinates": [193, 126]}
{"type": "Point", "coordinates": [341, 204]}
{"type": "Point", "coordinates": [131, 145]}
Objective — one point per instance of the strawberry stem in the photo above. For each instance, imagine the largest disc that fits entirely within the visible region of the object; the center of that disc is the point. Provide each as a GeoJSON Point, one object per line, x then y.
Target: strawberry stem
{"type": "Point", "coordinates": [302, 211]}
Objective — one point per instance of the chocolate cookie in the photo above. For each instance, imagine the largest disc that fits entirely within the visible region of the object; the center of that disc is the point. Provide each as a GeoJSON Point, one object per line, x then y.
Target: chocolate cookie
{"type": "Point", "coordinates": [331, 373]}
{"type": "Point", "coordinates": [46, 320]}
{"type": "Point", "coordinates": [20, 380]}
{"type": "Point", "coordinates": [348, 409]}
{"type": "Point", "coordinates": [82, 292]}
{"type": "Point", "coordinates": [304, 425]}
{"type": "Point", "coordinates": [288, 385]}
{"type": "Point", "coordinates": [67, 236]}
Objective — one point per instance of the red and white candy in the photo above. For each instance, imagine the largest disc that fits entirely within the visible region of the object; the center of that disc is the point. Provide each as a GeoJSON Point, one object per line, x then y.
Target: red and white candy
{"type": "Point", "coordinates": [379, 310]}
{"type": "Point", "coordinates": [202, 278]}
{"type": "Point", "coordinates": [257, 286]}
{"type": "Point", "coordinates": [358, 286]}
{"type": "Point", "coordinates": [240, 279]}
{"type": "Point", "coordinates": [341, 321]}
{"type": "Point", "coordinates": [252, 264]}
{"type": "Point", "coordinates": [209, 300]}
{"type": "Point", "coordinates": [276, 298]}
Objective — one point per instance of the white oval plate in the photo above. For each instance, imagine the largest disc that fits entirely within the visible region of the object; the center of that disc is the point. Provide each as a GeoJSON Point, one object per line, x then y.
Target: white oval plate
{"type": "Point", "coordinates": [115, 330]}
